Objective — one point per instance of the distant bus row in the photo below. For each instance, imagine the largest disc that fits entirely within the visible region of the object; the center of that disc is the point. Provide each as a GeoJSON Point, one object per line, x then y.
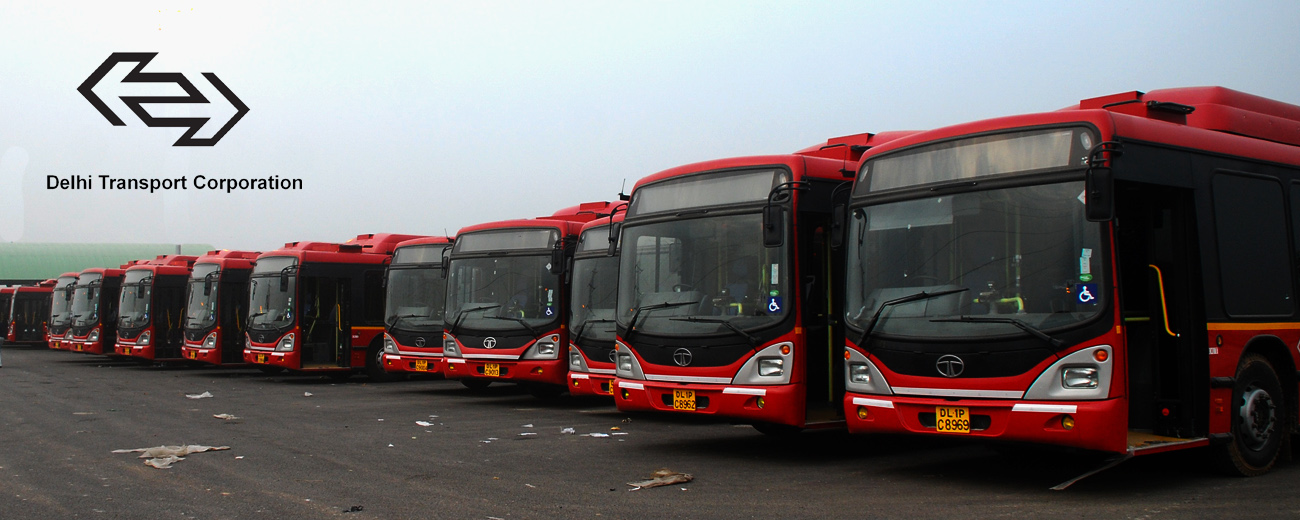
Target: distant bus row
{"type": "Point", "coordinates": [1119, 275]}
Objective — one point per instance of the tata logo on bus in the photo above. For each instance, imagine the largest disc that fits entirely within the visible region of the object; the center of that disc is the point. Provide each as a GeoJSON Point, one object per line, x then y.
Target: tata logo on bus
{"type": "Point", "coordinates": [135, 103]}
{"type": "Point", "coordinates": [950, 365]}
{"type": "Point", "coordinates": [682, 357]}
{"type": "Point", "coordinates": [489, 342]}
{"type": "Point", "coordinates": [420, 342]}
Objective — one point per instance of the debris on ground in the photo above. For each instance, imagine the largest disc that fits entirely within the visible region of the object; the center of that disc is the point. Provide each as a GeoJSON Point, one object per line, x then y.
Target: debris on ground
{"type": "Point", "coordinates": [529, 425]}
{"type": "Point", "coordinates": [425, 424]}
{"type": "Point", "coordinates": [203, 395]}
{"type": "Point", "coordinates": [595, 435]}
{"type": "Point", "coordinates": [614, 428]}
{"type": "Point", "coordinates": [568, 431]}
{"type": "Point", "coordinates": [306, 394]}
{"type": "Point", "coordinates": [162, 457]}
{"type": "Point", "coordinates": [525, 434]}
{"type": "Point", "coordinates": [662, 477]}
{"type": "Point", "coordinates": [225, 416]}
{"type": "Point", "coordinates": [354, 509]}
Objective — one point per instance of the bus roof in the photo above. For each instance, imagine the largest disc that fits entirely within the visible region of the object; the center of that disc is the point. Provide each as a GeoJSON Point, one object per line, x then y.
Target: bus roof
{"type": "Point", "coordinates": [108, 272]}
{"type": "Point", "coordinates": [568, 220]}
{"type": "Point", "coordinates": [228, 259]}
{"type": "Point", "coordinates": [167, 264]}
{"type": "Point", "coordinates": [425, 241]}
{"type": "Point", "coordinates": [381, 243]}
{"type": "Point", "coordinates": [364, 249]}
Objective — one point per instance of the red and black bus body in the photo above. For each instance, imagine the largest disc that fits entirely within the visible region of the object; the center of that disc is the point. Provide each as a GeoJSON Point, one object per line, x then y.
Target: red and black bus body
{"type": "Point", "coordinates": [6, 302]}
{"type": "Point", "coordinates": [94, 310]}
{"type": "Point", "coordinates": [29, 315]}
{"type": "Point", "coordinates": [727, 289]}
{"type": "Point", "coordinates": [507, 300]}
{"type": "Point", "coordinates": [1115, 276]}
{"type": "Point", "coordinates": [151, 308]}
{"type": "Point", "coordinates": [416, 294]}
{"type": "Point", "coordinates": [593, 301]}
{"type": "Point", "coordinates": [60, 315]}
{"type": "Point", "coordinates": [216, 307]}
{"type": "Point", "coordinates": [318, 307]}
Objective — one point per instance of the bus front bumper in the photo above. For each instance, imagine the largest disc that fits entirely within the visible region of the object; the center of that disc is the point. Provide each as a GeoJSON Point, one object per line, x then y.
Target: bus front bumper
{"type": "Point", "coordinates": [549, 371]}
{"type": "Point", "coordinates": [1093, 425]}
{"type": "Point", "coordinates": [583, 383]}
{"type": "Point", "coordinates": [777, 404]}
{"type": "Point", "coordinates": [193, 352]}
{"type": "Point", "coordinates": [408, 364]}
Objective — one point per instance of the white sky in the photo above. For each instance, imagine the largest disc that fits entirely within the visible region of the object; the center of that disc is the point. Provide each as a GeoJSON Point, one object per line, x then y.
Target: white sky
{"type": "Point", "coordinates": [420, 118]}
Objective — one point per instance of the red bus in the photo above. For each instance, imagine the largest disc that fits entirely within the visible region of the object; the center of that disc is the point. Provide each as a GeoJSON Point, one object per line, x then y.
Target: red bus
{"type": "Point", "coordinates": [60, 315]}
{"type": "Point", "coordinates": [29, 314]}
{"type": "Point", "coordinates": [507, 300]}
{"type": "Point", "coordinates": [216, 307]}
{"type": "Point", "coordinates": [151, 308]}
{"type": "Point", "coordinates": [727, 289]}
{"type": "Point", "coordinates": [591, 311]}
{"type": "Point", "coordinates": [94, 309]}
{"type": "Point", "coordinates": [416, 296]}
{"type": "Point", "coordinates": [319, 307]}
{"type": "Point", "coordinates": [6, 301]}
{"type": "Point", "coordinates": [1116, 276]}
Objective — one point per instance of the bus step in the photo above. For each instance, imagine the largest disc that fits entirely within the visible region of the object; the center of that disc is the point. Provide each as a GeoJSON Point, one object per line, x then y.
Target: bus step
{"type": "Point", "coordinates": [1109, 463]}
{"type": "Point", "coordinates": [1146, 443]}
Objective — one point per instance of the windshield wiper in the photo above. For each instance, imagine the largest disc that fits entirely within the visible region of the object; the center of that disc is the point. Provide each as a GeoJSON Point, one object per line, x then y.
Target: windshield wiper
{"type": "Point", "coordinates": [393, 322]}
{"type": "Point", "coordinates": [875, 318]}
{"type": "Point", "coordinates": [455, 324]}
{"type": "Point", "coordinates": [1010, 321]}
{"type": "Point", "coordinates": [577, 335]}
{"type": "Point", "coordinates": [519, 321]}
{"type": "Point", "coordinates": [631, 324]}
{"type": "Point", "coordinates": [256, 314]}
{"type": "Point", "coordinates": [753, 340]}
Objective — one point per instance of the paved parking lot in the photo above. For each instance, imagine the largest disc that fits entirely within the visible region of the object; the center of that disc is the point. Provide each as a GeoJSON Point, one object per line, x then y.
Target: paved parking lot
{"type": "Point", "coordinates": [309, 447]}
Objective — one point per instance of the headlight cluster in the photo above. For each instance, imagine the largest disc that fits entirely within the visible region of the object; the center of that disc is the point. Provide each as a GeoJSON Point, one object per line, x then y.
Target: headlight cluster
{"type": "Point", "coordinates": [449, 348]}
{"type": "Point", "coordinates": [575, 360]}
{"type": "Point", "coordinates": [769, 367]}
{"type": "Point", "coordinates": [144, 338]}
{"type": "Point", "coordinates": [94, 335]}
{"type": "Point", "coordinates": [1079, 377]}
{"type": "Point", "coordinates": [625, 362]}
{"type": "Point", "coordinates": [285, 344]}
{"type": "Point", "coordinates": [390, 346]}
{"type": "Point", "coordinates": [210, 341]}
{"type": "Point", "coordinates": [859, 373]}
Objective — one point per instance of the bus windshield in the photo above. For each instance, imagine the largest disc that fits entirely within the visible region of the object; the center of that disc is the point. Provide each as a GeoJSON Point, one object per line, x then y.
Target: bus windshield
{"type": "Point", "coordinates": [201, 309]}
{"type": "Point", "coordinates": [416, 298]}
{"type": "Point", "coordinates": [1024, 253]}
{"type": "Point", "coordinates": [707, 275]}
{"type": "Point", "coordinates": [595, 284]}
{"type": "Point", "coordinates": [85, 300]}
{"type": "Point", "coordinates": [270, 303]}
{"type": "Point", "coordinates": [503, 293]}
{"type": "Point", "coordinates": [59, 305]}
{"type": "Point", "coordinates": [137, 289]}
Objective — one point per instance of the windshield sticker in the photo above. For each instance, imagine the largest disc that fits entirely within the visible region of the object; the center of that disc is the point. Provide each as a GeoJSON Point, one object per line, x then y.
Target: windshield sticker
{"type": "Point", "coordinates": [776, 272]}
{"type": "Point", "coordinates": [1083, 197]}
{"type": "Point", "coordinates": [550, 311]}
{"type": "Point", "coordinates": [1085, 261]}
{"type": "Point", "coordinates": [1087, 293]}
{"type": "Point", "coordinates": [774, 304]}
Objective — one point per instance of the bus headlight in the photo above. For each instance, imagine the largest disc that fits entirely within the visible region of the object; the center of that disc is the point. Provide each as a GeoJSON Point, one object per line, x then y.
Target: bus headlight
{"type": "Point", "coordinates": [768, 367]}
{"type": "Point", "coordinates": [1079, 377]}
{"type": "Point", "coordinates": [625, 362]}
{"type": "Point", "coordinates": [449, 348]}
{"type": "Point", "coordinates": [545, 348]}
{"type": "Point", "coordinates": [575, 360]}
{"type": "Point", "coordinates": [248, 342]}
{"type": "Point", "coordinates": [390, 346]}
{"type": "Point", "coordinates": [859, 373]}
{"type": "Point", "coordinates": [210, 341]}
{"type": "Point", "coordinates": [285, 344]}
{"type": "Point", "coordinates": [144, 338]}
{"type": "Point", "coordinates": [94, 336]}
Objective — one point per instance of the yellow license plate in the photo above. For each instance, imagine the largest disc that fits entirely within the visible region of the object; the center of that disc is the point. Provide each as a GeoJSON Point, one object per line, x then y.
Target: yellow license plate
{"type": "Point", "coordinates": [194, 354]}
{"type": "Point", "coordinates": [492, 370]}
{"type": "Point", "coordinates": [422, 365]}
{"type": "Point", "coordinates": [684, 400]}
{"type": "Point", "coordinates": [608, 387]}
{"type": "Point", "coordinates": [952, 419]}
{"type": "Point", "coordinates": [261, 358]}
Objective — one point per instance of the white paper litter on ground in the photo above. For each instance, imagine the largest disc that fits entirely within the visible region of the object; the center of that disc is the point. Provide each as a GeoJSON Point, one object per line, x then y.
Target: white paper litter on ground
{"type": "Point", "coordinates": [595, 435]}
{"type": "Point", "coordinates": [568, 431]}
{"type": "Point", "coordinates": [162, 457]}
{"type": "Point", "coordinates": [203, 395]}
{"type": "Point", "coordinates": [225, 416]}
{"type": "Point", "coordinates": [425, 424]}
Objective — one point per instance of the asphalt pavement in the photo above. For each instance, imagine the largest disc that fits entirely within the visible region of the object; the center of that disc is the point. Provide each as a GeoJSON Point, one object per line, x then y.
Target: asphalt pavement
{"type": "Point", "coordinates": [311, 447]}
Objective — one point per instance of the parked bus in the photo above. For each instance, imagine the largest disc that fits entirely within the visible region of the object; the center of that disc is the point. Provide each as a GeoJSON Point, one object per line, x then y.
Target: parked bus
{"type": "Point", "coordinates": [728, 289]}
{"type": "Point", "coordinates": [6, 302]}
{"type": "Point", "coordinates": [415, 298]}
{"type": "Point", "coordinates": [591, 313]}
{"type": "Point", "coordinates": [94, 309]}
{"type": "Point", "coordinates": [507, 300]}
{"type": "Point", "coordinates": [318, 307]}
{"type": "Point", "coordinates": [217, 306]}
{"type": "Point", "coordinates": [1115, 276]}
{"type": "Point", "coordinates": [29, 314]}
{"type": "Point", "coordinates": [60, 315]}
{"type": "Point", "coordinates": [151, 308]}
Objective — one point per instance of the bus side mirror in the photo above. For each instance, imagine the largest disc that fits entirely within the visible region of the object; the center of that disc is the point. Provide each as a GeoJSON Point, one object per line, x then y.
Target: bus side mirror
{"type": "Point", "coordinates": [614, 231]}
{"type": "Point", "coordinates": [1099, 188]}
{"type": "Point", "coordinates": [207, 287]}
{"type": "Point", "coordinates": [557, 260]}
{"type": "Point", "coordinates": [284, 281]}
{"type": "Point", "coordinates": [446, 264]}
{"type": "Point", "coordinates": [838, 215]}
{"type": "Point", "coordinates": [773, 226]}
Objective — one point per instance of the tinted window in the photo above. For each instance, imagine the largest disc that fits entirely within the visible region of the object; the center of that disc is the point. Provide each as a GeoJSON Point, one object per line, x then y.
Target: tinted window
{"type": "Point", "coordinates": [1254, 263]}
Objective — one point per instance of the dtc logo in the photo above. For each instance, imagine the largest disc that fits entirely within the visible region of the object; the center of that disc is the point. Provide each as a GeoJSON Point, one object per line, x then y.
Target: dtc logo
{"type": "Point", "coordinates": [134, 102]}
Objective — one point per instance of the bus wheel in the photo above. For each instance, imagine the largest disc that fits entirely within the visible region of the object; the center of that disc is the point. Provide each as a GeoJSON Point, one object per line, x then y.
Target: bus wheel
{"type": "Point", "coordinates": [1258, 420]}
{"type": "Point", "coordinates": [777, 430]}
{"type": "Point", "coordinates": [375, 365]}
{"type": "Point", "coordinates": [475, 384]}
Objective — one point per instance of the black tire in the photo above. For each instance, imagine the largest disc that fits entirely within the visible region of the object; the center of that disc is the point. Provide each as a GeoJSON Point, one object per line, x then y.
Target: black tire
{"type": "Point", "coordinates": [1259, 420]}
{"type": "Point", "coordinates": [375, 364]}
{"type": "Point", "coordinates": [475, 384]}
{"type": "Point", "coordinates": [270, 370]}
{"type": "Point", "coordinates": [779, 431]}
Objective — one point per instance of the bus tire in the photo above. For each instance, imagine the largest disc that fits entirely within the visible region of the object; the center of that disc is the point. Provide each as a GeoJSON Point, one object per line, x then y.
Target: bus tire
{"type": "Point", "coordinates": [779, 431]}
{"type": "Point", "coordinates": [475, 384]}
{"type": "Point", "coordinates": [1259, 414]}
{"type": "Point", "coordinates": [375, 364]}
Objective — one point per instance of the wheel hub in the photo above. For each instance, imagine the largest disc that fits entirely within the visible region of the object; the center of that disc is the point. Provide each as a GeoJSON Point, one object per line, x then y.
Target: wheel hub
{"type": "Point", "coordinates": [1258, 418]}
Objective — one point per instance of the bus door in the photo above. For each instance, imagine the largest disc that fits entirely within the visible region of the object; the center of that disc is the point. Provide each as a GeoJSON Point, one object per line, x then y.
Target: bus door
{"type": "Point", "coordinates": [326, 336]}
{"type": "Point", "coordinates": [1158, 254]}
{"type": "Point", "coordinates": [824, 383]}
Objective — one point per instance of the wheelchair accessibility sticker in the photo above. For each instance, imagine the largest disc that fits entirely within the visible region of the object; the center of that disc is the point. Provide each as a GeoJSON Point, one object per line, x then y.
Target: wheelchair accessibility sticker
{"type": "Point", "coordinates": [774, 304]}
{"type": "Point", "coordinates": [1086, 293]}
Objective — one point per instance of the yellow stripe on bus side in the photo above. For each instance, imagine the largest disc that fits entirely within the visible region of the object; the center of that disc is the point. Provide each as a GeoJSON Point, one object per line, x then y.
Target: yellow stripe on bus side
{"type": "Point", "coordinates": [367, 328]}
{"type": "Point", "coordinates": [1252, 326]}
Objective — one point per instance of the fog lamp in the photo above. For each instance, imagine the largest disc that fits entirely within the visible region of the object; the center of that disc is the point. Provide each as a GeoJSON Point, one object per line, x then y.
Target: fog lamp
{"type": "Point", "coordinates": [1067, 422]}
{"type": "Point", "coordinates": [862, 413]}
